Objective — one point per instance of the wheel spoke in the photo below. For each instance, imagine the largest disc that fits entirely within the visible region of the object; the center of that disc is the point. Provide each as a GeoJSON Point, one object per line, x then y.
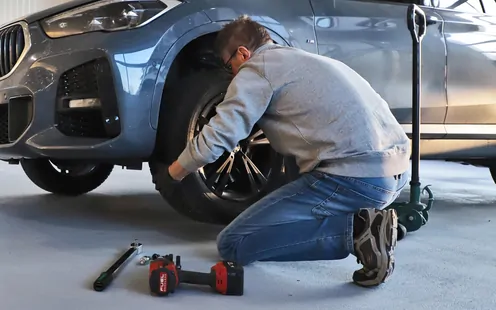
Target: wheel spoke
{"type": "Point", "coordinates": [252, 167]}
{"type": "Point", "coordinates": [253, 183]}
{"type": "Point", "coordinates": [255, 135]}
{"type": "Point", "coordinates": [219, 179]}
{"type": "Point", "coordinates": [213, 175]}
{"type": "Point", "coordinates": [221, 186]}
{"type": "Point", "coordinates": [258, 138]}
{"type": "Point", "coordinates": [226, 176]}
{"type": "Point", "coordinates": [263, 141]}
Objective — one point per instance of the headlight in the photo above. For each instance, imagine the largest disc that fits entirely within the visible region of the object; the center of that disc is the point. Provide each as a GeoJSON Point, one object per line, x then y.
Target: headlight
{"type": "Point", "coordinates": [106, 15]}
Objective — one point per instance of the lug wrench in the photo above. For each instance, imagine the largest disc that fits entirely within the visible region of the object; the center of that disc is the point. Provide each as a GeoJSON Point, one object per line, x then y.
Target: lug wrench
{"type": "Point", "coordinates": [106, 277]}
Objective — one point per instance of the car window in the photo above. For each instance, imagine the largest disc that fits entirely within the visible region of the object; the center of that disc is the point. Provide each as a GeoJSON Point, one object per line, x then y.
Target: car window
{"type": "Point", "coordinates": [489, 6]}
{"type": "Point", "coordinates": [468, 6]}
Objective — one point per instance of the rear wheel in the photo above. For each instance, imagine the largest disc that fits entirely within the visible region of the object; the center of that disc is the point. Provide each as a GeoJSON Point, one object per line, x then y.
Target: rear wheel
{"type": "Point", "coordinates": [220, 191]}
{"type": "Point", "coordinates": [66, 178]}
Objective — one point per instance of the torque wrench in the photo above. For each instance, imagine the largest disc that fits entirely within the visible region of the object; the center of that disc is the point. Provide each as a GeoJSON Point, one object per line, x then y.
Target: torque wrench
{"type": "Point", "coordinates": [106, 277]}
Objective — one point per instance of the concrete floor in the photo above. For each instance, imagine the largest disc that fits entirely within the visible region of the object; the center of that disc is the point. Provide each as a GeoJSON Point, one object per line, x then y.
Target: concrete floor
{"type": "Point", "coordinates": [54, 248]}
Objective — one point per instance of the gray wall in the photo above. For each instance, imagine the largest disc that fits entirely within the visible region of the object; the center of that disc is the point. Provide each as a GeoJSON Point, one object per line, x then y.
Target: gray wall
{"type": "Point", "coordinates": [12, 9]}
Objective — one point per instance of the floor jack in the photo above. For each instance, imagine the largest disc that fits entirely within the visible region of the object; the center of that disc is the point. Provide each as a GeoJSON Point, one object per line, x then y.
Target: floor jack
{"type": "Point", "coordinates": [414, 214]}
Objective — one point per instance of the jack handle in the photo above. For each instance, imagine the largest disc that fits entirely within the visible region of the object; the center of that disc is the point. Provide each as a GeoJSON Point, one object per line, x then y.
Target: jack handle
{"type": "Point", "coordinates": [430, 201]}
{"type": "Point", "coordinates": [416, 17]}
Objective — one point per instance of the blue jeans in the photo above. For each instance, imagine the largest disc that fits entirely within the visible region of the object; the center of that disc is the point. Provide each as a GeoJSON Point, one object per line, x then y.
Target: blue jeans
{"type": "Point", "coordinates": [308, 219]}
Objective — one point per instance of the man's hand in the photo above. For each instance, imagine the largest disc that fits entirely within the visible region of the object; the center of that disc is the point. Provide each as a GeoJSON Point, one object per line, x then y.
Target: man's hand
{"type": "Point", "coordinates": [168, 176]}
{"type": "Point", "coordinates": [161, 176]}
{"type": "Point", "coordinates": [177, 172]}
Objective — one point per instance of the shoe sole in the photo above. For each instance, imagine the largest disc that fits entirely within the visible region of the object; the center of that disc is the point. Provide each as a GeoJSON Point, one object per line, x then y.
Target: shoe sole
{"type": "Point", "coordinates": [389, 229]}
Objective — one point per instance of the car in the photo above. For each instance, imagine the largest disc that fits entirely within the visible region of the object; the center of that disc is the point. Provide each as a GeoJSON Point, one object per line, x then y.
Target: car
{"type": "Point", "coordinates": [89, 85]}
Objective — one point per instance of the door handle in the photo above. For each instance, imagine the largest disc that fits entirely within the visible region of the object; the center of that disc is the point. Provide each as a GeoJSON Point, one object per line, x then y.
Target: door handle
{"type": "Point", "coordinates": [431, 20]}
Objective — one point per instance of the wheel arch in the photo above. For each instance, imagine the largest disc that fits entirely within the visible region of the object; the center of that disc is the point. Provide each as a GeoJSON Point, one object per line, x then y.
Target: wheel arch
{"type": "Point", "coordinates": [166, 76]}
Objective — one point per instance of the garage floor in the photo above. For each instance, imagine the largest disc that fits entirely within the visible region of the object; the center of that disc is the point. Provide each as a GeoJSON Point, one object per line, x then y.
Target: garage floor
{"type": "Point", "coordinates": [54, 248]}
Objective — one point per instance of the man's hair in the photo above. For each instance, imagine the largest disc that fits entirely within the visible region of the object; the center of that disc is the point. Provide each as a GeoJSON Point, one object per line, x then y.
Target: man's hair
{"type": "Point", "coordinates": [241, 32]}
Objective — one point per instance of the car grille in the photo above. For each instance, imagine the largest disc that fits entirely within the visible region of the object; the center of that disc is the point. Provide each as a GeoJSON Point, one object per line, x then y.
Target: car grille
{"type": "Point", "coordinates": [12, 45]}
{"type": "Point", "coordinates": [4, 123]}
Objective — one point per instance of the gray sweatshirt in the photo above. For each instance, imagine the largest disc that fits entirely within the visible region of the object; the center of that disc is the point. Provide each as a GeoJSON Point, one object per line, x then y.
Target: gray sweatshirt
{"type": "Point", "coordinates": [311, 107]}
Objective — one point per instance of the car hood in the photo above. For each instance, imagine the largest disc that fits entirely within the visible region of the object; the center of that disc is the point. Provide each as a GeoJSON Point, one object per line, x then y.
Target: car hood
{"type": "Point", "coordinates": [51, 11]}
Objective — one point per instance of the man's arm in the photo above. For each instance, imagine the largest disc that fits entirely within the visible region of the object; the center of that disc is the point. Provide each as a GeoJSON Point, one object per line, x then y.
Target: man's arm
{"type": "Point", "coordinates": [246, 100]}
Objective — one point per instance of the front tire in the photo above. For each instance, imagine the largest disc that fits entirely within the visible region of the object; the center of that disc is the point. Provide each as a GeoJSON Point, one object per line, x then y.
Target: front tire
{"type": "Point", "coordinates": [216, 193]}
{"type": "Point", "coordinates": [72, 179]}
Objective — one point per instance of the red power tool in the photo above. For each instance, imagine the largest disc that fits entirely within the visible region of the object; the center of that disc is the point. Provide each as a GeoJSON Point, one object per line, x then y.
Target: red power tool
{"type": "Point", "coordinates": [225, 277]}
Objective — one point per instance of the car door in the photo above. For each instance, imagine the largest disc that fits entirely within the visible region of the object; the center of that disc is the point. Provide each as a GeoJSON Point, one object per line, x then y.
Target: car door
{"type": "Point", "coordinates": [373, 38]}
{"type": "Point", "coordinates": [471, 76]}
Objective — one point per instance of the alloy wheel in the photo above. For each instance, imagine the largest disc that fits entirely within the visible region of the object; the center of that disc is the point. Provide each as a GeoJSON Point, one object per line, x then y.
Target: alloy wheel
{"type": "Point", "coordinates": [244, 173]}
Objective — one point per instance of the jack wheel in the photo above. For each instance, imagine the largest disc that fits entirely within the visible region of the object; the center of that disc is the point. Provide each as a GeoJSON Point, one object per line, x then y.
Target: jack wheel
{"type": "Point", "coordinates": [425, 215]}
{"type": "Point", "coordinates": [401, 231]}
{"type": "Point", "coordinates": [413, 221]}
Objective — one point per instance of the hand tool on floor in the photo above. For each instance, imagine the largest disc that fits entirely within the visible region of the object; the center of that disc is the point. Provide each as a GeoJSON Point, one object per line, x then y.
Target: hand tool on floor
{"type": "Point", "coordinates": [144, 260]}
{"type": "Point", "coordinates": [225, 277]}
{"type": "Point", "coordinates": [106, 277]}
{"type": "Point", "coordinates": [414, 214]}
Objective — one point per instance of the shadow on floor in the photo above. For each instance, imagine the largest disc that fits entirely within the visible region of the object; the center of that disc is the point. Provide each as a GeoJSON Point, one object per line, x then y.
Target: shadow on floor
{"type": "Point", "coordinates": [100, 220]}
{"type": "Point", "coordinates": [140, 215]}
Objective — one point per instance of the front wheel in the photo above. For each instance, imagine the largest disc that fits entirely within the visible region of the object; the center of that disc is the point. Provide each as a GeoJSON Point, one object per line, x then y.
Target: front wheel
{"type": "Point", "coordinates": [65, 178]}
{"type": "Point", "coordinates": [220, 191]}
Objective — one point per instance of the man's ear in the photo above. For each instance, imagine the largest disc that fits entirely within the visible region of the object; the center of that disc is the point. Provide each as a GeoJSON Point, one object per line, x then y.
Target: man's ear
{"type": "Point", "coordinates": [245, 52]}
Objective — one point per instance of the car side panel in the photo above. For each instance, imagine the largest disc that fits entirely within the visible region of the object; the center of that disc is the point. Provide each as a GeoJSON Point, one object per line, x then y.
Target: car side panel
{"type": "Point", "coordinates": [471, 42]}
{"type": "Point", "coordinates": [372, 37]}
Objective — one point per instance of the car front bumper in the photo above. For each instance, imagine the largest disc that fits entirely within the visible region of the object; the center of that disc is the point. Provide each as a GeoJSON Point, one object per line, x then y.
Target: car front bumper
{"type": "Point", "coordinates": [34, 118]}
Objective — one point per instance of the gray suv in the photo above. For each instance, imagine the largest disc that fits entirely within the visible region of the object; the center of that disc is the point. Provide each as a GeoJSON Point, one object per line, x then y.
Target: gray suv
{"type": "Point", "coordinates": [88, 85]}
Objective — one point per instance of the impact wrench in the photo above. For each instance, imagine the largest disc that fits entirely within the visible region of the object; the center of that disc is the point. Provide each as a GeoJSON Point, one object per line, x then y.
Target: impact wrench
{"type": "Point", "coordinates": [225, 277]}
{"type": "Point", "coordinates": [108, 276]}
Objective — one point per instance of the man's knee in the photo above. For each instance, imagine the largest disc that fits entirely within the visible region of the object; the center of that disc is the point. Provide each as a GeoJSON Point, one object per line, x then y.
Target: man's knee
{"type": "Point", "coordinates": [227, 245]}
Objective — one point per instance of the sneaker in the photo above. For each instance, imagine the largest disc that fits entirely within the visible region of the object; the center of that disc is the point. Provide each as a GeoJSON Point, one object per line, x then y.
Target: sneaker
{"type": "Point", "coordinates": [374, 246]}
